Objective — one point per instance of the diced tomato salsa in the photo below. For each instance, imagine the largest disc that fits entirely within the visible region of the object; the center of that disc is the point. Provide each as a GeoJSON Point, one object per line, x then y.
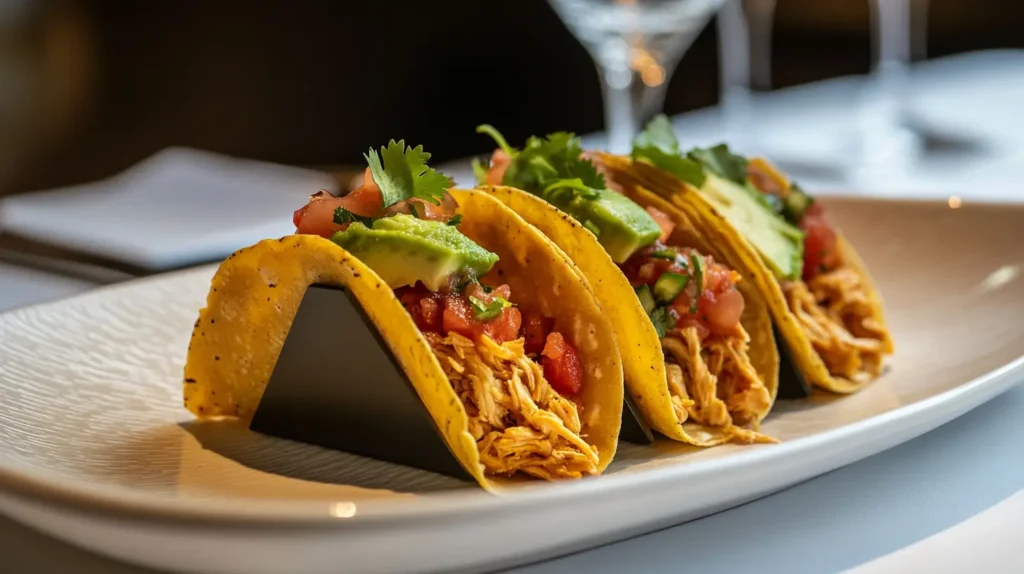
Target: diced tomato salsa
{"type": "Point", "coordinates": [500, 161]}
{"type": "Point", "coordinates": [453, 311]}
{"type": "Point", "coordinates": [719, 305]}
{"type": "Point", "coordinates": [317, 216]}
{"type": "Point", "coordinates": [819, 237]}
{"type": "Point", "coordinates": [561, 365]}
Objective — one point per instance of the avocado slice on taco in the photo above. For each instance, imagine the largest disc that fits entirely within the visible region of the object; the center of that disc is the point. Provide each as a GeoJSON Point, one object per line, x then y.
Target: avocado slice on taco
{"type": "Point", "coordinates": [822, 297]}
{"type": "Point", "coordinates": [695, 336]}
{"type": "Point", "coordinates": [500, 335]}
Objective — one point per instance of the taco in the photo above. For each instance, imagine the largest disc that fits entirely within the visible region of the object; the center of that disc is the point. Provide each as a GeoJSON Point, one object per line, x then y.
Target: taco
{"type": "Point", "coordinates": [825, 304]}
{"type": "Point", "coordinates": [695, 336]}
{"type": "Point", "coordinates": [498, 333]}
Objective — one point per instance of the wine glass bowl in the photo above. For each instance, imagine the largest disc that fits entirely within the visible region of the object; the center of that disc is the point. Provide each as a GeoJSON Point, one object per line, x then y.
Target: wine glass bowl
{"type": "Point", "coordinates": [636, 45]}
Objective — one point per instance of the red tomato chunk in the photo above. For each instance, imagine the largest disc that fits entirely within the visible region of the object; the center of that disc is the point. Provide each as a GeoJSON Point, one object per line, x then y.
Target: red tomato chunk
{"type": "Point", "coordinates": [561, 365]}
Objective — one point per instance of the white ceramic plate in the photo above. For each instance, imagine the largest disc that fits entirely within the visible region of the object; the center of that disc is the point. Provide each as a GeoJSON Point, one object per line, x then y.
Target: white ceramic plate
{"type": "Point", "coordinates": [96, 449]}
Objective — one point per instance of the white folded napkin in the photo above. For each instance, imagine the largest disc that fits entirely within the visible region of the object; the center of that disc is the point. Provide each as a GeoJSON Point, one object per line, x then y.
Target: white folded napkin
{"type": "Point", "coordinates": [178, 207]}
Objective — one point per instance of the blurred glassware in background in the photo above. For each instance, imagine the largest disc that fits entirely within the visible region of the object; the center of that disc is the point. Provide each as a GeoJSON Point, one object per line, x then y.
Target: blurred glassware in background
{"type": "Point", "coordinates": [745, 60]}
{"type": "Point", "coordinates": [636, 45]}
{"type": "Point", "coordinates": [883, 143]}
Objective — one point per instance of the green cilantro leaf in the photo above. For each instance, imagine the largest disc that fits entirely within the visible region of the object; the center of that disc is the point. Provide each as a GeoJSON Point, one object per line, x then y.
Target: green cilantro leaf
{"type": "Point", "coordinates": [497, 137]}
{"type": "Point", "coordinates": [659, 134]}
{"type": "Point", "coordinates": [721, 161]}
{"type": "Point", "coordinates": [658, 145]}
{"type": "Point", "coordinates": [662, 321]}
{"type": "Point", "coordinates": [479, 171]}
{"type": "Point", "coordinates": [558, 189]}
{"type": "Point", "coordinates": [343, 216]}
{"type": "Point", "coordinates": [667, 253]}
{"type": "Point", "coordinates": [402, 173]}
{"type": "Point", "coordinates": [487, 311]}
{"type": "Point", "coordinates": [543, 161]}
{"type": "Point", "coordinates": [455, 220]}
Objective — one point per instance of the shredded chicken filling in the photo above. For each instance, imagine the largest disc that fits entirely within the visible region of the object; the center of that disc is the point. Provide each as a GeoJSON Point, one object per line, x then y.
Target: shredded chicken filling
{"type": "Point", "coordinates": [835, 313]}
{"type": "Point", "coordinates": [714, 383]}
{"type": "Point", "coordinates": [520, 423]}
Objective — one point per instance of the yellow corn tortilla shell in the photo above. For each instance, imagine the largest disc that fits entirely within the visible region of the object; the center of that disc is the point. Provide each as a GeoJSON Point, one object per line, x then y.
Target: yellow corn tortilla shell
{"type": "Point", "coordinates": [256, 292]}
{"type": "Point", "coordinates": [642, 354]}
{"type": "Point", "coordinates": [690, 199]}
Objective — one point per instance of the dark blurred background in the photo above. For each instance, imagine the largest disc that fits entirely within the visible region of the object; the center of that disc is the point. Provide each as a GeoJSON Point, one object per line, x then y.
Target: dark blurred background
{"type": "Point", "coordinates": [89, 87]}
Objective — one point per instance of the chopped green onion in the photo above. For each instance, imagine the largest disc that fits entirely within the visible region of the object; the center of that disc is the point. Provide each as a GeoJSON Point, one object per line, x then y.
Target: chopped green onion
{"type": "Point", "coordinates": [643, 293]}
{"type": "Point", "coordinates": [795, 205]}
{"type": "Point", "coordinates": [697, 268]}
{"type": "Point", "coordinates": [661, 320]}
{"type": "Point", "coordinates": [667, 253]}
{"type": "Point", "coordinates": [487, 311]}
{"type": "Point", "coordinates": [455, 220]}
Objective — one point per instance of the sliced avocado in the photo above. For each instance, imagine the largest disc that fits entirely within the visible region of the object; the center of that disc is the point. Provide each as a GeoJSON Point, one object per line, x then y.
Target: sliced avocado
{"type": "Point", "coordinates": [404, 250]}
{"type": "Point", "coordinates": [780, 244]}
{"type": "Point", "coordinates": [623, 226]}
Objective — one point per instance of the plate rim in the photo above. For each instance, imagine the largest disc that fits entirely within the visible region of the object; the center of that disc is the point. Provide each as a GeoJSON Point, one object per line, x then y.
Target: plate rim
{"type": "Point", "coordinates": [34, 486]}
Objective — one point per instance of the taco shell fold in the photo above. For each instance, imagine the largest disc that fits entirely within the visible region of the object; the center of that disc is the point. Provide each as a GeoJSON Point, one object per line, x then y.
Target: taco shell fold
{"type": "Point", "coordinates": [801, 331]}
{"type": "Point", "coordinates": [256, 292]}
{"type": "Point", "coordinates": [643, 356]}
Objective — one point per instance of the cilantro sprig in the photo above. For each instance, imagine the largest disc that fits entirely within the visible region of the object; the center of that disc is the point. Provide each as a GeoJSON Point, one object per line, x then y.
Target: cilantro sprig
{"type": "Point", "coordinates": [658, 145]}
{"type": "Point", "coordinates": [402, 173]}
{"type": "Point", "coordinates": [722, 162]}
{"type": "Point", "coordinates": [544, 162]}
{"type": "Point", "coordinates": [343, 216]}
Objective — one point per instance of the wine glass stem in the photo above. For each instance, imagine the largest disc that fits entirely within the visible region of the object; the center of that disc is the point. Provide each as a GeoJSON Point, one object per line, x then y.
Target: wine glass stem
{"type": "Point", "coordinates": [744, 54]}
{"type": "Point", "coordinates": [633, 81]}
{"type": "Point", "coordinates": [884, 138]}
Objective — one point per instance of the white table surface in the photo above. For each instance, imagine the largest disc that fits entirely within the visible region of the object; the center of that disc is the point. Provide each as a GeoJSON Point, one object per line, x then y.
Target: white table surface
{"type": "Point", "coordinates": [943, 502]}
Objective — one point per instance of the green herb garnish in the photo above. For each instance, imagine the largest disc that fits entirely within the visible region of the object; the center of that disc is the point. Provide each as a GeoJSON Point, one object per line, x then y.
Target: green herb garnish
{"type": "Point", "coordinates": [662, 321]}
{"type": "Point", "coordinates": [561, 189]}
{"type": "Point", "coordinates": [722, 162]}
{"type": "Point", "coordinates": [455, 220]}
{"type": "Point", "coordinates": [402, 173]}
{"type": "Point", "coordinates": [487, 311]}
{"type": "Point", "coordinates": [667, 253]}
{"type": "Point", "coordinates": [643, 293]}
{"type": "Point", "coordinates": [660, 317]}
{"type": "Point", "coordinates": [658, 145]}
{"type": "Point", "coordinates": [796, 204]}
{"type": "Point", "coordinates": [343, 216]}
{"type": "Point", "coordinates": [697, 269]}
{"type": "Point", "coordinates": [542, 161]}
{"type": "Point", "coordinates": [480, 170]}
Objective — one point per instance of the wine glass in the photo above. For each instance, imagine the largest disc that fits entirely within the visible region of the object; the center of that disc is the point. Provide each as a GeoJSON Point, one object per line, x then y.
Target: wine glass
{"type": "Point", "coordinates": [884, 143]}
{"type": "Point", "coordinates": [744, 56]}
{"type": "Point", "coordinates": [636, 45]}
